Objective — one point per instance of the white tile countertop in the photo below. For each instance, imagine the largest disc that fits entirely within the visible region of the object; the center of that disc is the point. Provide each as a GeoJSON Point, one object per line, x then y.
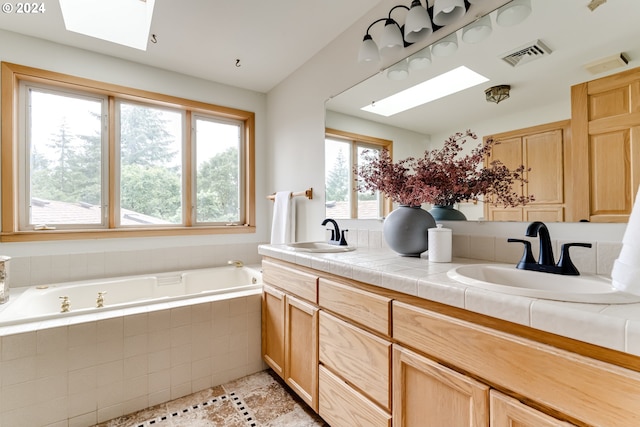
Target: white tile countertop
{"type": "Point", "coordinates": [615, 326]}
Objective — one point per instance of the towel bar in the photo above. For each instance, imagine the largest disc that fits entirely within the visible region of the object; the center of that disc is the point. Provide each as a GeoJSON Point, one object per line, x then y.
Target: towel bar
{"type": "Point", "coordinates": [308, 193]}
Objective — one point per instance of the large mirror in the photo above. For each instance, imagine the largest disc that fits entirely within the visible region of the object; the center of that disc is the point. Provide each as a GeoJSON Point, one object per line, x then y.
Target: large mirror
{"type": "Point", "coordinates": [560, 38]}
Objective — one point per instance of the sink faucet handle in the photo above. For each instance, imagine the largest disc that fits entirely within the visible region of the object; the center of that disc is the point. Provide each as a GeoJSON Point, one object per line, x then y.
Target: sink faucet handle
{"type": "Point", "coordinates": [527, 256]}
{"type": "Point", "coordinates": [343, 240]}
{"type": "Point", "coordinates": [333, 233]}
{"type": "Point", "coordinates": [565, 264]}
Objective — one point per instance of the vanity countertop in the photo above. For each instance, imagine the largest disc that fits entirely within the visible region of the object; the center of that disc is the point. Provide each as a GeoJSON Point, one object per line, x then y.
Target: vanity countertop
{"type": "Point", "coordinates": [615, 326]}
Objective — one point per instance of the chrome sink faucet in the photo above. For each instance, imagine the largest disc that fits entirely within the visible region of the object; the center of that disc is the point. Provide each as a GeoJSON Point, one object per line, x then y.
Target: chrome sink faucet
{"type": "Point", "coordinates": [337, 237]}
{"type": "Point", "coordinates": [546, 262]}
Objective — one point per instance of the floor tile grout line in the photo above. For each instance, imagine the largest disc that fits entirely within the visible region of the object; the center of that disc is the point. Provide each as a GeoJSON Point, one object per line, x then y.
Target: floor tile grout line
{"type": "Point", "coordinates": [173, 414]}
{"type": "Point", "coordinates": [244, 410]}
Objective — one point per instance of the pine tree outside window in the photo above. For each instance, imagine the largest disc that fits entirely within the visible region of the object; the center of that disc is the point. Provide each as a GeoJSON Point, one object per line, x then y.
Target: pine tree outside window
{"type": "Point", "coordinates": [342, 154]}
{"type": "Point", "coordinates": [93, 160]}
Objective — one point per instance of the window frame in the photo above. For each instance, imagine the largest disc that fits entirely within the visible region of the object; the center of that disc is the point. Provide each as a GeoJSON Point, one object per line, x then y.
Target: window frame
{"type": "Point", "coordinates": [11, 77]}
{"type": "Point", "coordinates": [358, 140]}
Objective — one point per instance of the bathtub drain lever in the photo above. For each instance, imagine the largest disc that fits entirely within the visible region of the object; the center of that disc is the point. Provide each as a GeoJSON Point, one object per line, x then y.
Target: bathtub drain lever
{"type": "Point", "coordinates": [65, 305]}
{"type": "Point", "coordinates": [100, 299]}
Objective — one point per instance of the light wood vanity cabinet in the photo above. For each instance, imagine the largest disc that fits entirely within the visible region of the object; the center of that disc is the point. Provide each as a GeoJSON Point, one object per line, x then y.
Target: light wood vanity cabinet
{"type": "Point", "coordinates": [365, 356]}
{"type": "Point", "coordinates": [354, 355]}
{"type": "Point", "coordinates": [290, 328]}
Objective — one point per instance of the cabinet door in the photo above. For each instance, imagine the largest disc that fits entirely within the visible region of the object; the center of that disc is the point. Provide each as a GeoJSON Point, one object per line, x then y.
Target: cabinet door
{"type": "Point", "coordinates": [273, 329]}
{"type": "Point", "coordinates": [543, 153]}
{"type": "Point", "coordinates": [509, 152]}
{"type": "Point", "coordinates": [301, 349]}
{"type": "Point", "coordinates": [509, 412]}
{"type": "Point", "coordinates": [427, 394]}
{"type": "Point", "coordinates": [605, 153]}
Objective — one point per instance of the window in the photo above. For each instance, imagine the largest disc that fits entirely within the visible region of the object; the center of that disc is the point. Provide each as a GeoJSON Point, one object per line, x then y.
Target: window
{"type": "Point", "coordinates": [150, 158]}
{"type": "Point", "coordinates": [89, 159]}
{"type": "Point", "coordinates": [342, 154]}
{"type": "Point", "coordinates": [218, 171]}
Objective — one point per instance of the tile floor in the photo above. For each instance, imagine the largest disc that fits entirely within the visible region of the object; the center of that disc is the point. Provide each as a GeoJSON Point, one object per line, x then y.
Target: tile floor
{"type": "Point", "coordinates": [258, 400]}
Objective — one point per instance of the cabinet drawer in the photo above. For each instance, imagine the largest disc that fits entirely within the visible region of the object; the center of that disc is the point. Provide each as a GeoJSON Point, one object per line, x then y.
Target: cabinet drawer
{"type": "Point", "coordinates": [341, 406]}
{"type": "Point", "coordinates": [363, 307]}
{"type": "Point", "coordinates": [360, 358]}
{"type": "Point", "coordinates": [298, 283]}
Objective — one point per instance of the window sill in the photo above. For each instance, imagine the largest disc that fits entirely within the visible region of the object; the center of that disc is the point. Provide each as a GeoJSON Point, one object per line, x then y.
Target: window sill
{"type": "Point", "coordinates": [44, 235]}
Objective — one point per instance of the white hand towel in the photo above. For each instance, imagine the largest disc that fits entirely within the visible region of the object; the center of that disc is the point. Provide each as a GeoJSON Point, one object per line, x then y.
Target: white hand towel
{"type": "Point", "coordinates": [625, 275]}
{"type": "Point", "coordinates": [283, 227]}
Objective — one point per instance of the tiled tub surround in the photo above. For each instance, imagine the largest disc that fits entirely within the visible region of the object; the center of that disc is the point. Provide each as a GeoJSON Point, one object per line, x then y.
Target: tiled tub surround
{"type": "Point", "coordinates": [81, 370]}
{"type": "Point", "coordinates": [45, 264]}
{"type": "Point", "coordinates": [615, 327]}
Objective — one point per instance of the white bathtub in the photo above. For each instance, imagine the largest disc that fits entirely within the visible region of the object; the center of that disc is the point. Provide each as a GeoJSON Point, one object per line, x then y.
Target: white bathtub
{"type": "Point", "coordinates": [44, 302]}
{"type": "Point", "coordinates": [158, 337]}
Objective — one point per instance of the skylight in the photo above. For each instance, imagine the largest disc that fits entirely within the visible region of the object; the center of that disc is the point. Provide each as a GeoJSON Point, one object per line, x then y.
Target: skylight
{"type": "Point", "coordinates": [446, 84]}
{"type": "Point", "coordinates": [126, 22]}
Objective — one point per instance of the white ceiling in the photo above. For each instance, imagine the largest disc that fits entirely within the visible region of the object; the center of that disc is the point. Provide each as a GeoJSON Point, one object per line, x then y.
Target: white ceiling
{"type": "Point", "coordinates": [575, 34]}
{"type": "Point", "coordinates": [204, 38]}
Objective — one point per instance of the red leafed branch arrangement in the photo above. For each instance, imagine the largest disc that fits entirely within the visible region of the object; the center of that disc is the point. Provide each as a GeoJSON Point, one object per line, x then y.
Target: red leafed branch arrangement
{"type": "Point", "coordinates": [443, 176]}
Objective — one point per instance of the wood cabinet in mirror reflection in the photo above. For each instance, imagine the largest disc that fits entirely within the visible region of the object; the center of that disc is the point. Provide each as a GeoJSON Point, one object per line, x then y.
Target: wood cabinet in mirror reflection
{"type": "Point", "coordinates": [540, 149]}
{"type": "Point", "coordinates": [605, 154]}
{"type": "Point", "coordinates": [583, 169]}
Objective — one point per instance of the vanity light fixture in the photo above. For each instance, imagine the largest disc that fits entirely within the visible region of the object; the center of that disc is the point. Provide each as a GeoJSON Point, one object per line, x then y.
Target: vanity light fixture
{"type": "Point", "coordinates": [513, 13]}
{"type": "Point", "coordinates": [446, 46]}
{"type": "Point", "coordinates": [477, 31]}
{"type": "Point", "coordinates": [394, 36]}
{"type": "Point", "coordinates": [420, 60]}
{"type": "Point", "coordinates": [497, 93]}
{"type": "Point", "coordinates": [418, 23]}
{"type": "Point", "coordinates": [446, 12]}
{"type": "Point", "coordinates": [399, 70]}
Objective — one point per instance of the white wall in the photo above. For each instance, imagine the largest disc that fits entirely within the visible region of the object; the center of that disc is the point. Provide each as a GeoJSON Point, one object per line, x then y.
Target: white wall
{"type": "Point", "coordinates": [50, 56]}
{"type": "Point", "coordinates": [296, 125]}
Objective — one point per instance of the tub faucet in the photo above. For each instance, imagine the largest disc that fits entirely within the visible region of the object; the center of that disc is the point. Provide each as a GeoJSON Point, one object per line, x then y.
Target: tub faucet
{"type": "Point", "coordinates": [235, 262]}
{"type": "Point", "coordinates": [65, 305]}
{"type": "Point", "coordinates": [100, 299]}
{"type": "Point", "coordinates": [337, 237]}
{"type": "Point", "coordinates": [546, 262]}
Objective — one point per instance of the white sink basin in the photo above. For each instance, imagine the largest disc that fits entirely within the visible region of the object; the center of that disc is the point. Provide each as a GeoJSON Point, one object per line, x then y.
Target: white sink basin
{"type": "Point", "coordinates": [318, 247]}
{"type": "Point", "coordinates": [510, 280]}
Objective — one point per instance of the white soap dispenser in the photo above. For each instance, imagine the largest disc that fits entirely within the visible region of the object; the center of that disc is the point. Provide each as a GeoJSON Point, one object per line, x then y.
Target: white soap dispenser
{"type": "Point", "coordinates": [440, 244]}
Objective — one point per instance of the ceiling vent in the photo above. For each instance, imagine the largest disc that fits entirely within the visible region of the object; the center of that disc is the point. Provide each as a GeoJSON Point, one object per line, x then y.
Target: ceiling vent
{"type": "Point", "coordinates": [527, 53]}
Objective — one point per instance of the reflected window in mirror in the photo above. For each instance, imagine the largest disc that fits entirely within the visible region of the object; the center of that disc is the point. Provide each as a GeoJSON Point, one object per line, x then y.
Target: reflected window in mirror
{"type": "Point", "coordinates": [342, 155]}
